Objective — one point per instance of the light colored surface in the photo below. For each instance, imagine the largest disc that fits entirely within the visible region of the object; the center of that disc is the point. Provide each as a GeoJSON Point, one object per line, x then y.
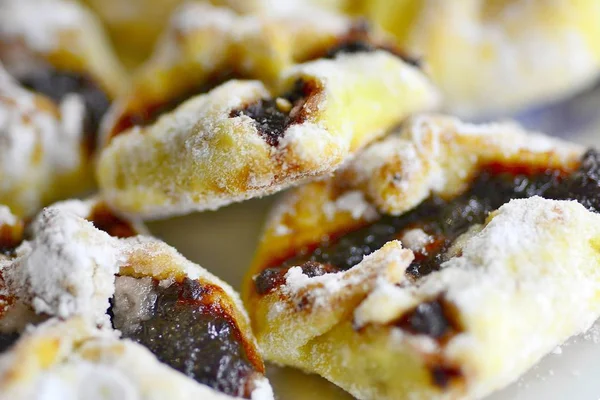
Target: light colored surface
{"type": "Point", "coordinates": [224, 241]}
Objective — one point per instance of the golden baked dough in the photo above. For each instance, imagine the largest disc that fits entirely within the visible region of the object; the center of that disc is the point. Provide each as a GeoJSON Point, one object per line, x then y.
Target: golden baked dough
{"type": "Point", "coordinates": [182, 317]}
{"type": "Point", "coordinates": [410, 274]}
{"type": "Point", "coordinates": [241, 140]}
{"type": "Point", "coordinates": [57, 48]}
{"type": "Point", "coordinates": [82, 361]}
{"type": "Point", "coordinates": [249, 138]}
{"type": "Point", "coordinates": [497, 56]}
{"type": "Point", "coordinates": [205, 46]}
{"type": "Point", "coordinates": [136, 25]}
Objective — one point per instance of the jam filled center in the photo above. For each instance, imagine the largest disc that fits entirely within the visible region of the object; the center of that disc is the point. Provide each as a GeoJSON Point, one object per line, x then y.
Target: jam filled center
{"type": "Point", "coordinates": [185, 327]}
{"type": "Point", "coordinates": [58, 84]}
{"type": "Point", "coordinates": [431, 228]}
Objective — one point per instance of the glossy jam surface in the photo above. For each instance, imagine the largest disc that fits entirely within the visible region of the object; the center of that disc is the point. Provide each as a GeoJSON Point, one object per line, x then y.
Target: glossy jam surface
{"type": "Point", "coordinates": [445, 220]}
{"type": "Point", "coordinates": [360, 39]}
{"type": "Point", "coordinates": [58, 84]}
{"type": "Point", "coordinates": [273, 116]}
{"type": "Point", "coordinates": [188, 329]}
{"type": "Point", "coordinates": [104, 219]}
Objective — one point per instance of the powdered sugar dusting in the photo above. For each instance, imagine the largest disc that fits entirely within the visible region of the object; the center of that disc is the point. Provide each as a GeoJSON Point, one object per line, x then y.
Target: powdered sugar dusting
{"type": "Point", "coordinates": [67, 269]}
{"type": "Point", "coordinates": [353, 202]}
{"type": "Point", "coordinates": [38, 142]}
{"type": "Point", "coordinates": [7, 217]}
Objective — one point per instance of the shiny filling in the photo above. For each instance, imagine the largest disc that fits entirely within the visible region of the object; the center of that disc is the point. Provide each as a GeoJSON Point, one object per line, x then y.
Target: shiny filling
{"type": "Point", "coordinates": [442, 221]}
{"type": "Point", "coordinates": [273, 116]}
{"type": "Point", "coordinates": [58, 84]}
{"type": "Point", "coordinates": [186, 327]}
{"type": "Point", "coordinates": [105, 220]}
{"type": "Point", "coordinates": [360, 39]}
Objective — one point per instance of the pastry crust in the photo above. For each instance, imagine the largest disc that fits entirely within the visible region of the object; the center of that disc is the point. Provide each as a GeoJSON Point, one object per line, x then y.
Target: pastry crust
{"type": "Point", "coordinates": [205, 45]}
{"type": "Point", "coordinates": [501, 288]}
{"type": "Point", "coordinates": [67, 270]}
{"type": "Point", "coordinates": [74, 359]}
{"type": "Point", "coordinates": [210, 151]}
{"type": "Point", "coordinates": [492, 56]}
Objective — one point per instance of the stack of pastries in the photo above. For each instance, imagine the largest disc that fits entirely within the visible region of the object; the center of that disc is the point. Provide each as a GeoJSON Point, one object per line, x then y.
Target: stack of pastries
{"type": "Point", "coordinates": [413, 255]}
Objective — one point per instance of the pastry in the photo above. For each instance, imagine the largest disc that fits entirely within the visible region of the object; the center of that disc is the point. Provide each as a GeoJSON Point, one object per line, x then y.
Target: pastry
{"type": "Point", "coordinates": [43, 154]}
{"type": "Point", "coordinates": [442, 262]}
{"type": "Point", "coordinates": [57, 48]}
{"type": "Point", "coordinates": [248, 138]}
{"type": "Point", "coordinates": [205, 46]}
{"type": "Point", "coordinates": [136, 25]}
{"type": "Point", "coordinates": [497, 56]}
{"type": "Point", "coordinates": [174, 318]}
{"type": "Point", "coordinates": [73, 359]}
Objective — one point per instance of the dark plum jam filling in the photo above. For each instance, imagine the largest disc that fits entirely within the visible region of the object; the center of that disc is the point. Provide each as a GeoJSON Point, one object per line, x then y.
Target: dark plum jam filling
{"type": "Point", "coordinates": [58, 84]}
{"type": "Point", "coordinates": [444, 220]}
{"type": "Point", "coordinates": [151, 112]}
{"type": "Point", "coordinates": [273, 116]}
{"type": "Point", "coordinates": [105, 220]}
{"type": "Point", "coordinates": [360, 39]}
{"type": "Point", "coordinates": [7, 340]}
{"type": "Point", "coordinates": [187, 329]}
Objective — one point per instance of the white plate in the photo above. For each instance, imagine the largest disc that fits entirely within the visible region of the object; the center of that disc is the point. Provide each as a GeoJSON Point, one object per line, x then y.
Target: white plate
{"type": "Point", "coordinates": [224, 242]}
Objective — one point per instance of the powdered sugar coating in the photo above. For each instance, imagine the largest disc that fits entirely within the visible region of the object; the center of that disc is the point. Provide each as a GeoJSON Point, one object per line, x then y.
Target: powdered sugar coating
{"type": "Point", "coordinates": [501, 288]}
{"type": "Point", "coordinates": [90, 362]}
{"type": "Point", "coordinates": [433, 154]}
{"type": "Point", "coordinates": [182, 162]}
{"type": "Point", "coordinates": [40, 144]}
{"type": "Point", "coordinates": [67, 269]}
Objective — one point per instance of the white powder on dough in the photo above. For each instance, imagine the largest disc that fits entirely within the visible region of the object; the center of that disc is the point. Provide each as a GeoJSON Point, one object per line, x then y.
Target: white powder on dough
{"type": "Point", "coordinates": [67, 268]}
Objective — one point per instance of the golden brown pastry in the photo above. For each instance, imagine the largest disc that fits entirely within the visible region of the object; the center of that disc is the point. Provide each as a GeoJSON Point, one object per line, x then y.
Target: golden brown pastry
{"type": "Point", "coordinates": [442, 262]}
{"type": "Point", "coordinates": [497, 56]}
{"type": "Point", "coordinates": [176, 321]}
{"type": "Point", "coordinates": [245, 139]}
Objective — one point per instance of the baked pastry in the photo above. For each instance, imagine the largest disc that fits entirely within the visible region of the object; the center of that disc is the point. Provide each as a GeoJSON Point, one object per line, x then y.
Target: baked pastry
{"type": "Point", "coordinates": [243, 139]}
{"type": "Point", "coordinates": [181, 317]}
{"type": "Point", "coordinates": [497, 56]}
{"type": "Point", "coordinates": [442, 262]}
{"type": "Point", "coordinates": [43, 154]}
{"type": "Point", "coordinates": [205, 46]}
{"type": "Point", "coordinates": [136, 25]}
{"type": "Point", "coordinates": [57, 48]}
{"type": "Point", "coordinates": [73, 359]}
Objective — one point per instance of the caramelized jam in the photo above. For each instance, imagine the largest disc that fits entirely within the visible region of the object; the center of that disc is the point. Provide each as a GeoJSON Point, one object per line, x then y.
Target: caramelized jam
{"type": "Point", "coordinates": [188, 329]}
{"type": "Point", "coordinates": [151, 112]}
{"type": "Point", "coordinates": [58, 84]}
{"type": "Point", "coordinates": [444, 220]}
{"type": "Point", "coordinates": [105, 220]}
{"type": "Point", "coordinates": [359, 39]}
{"type": "Point", "coordinates": [432, 318]}
{"type": "Point", "coordinates": [10, 238]}
{"type": "Point", "coordinates": [444, 376]}
{"type": "Point", "coordinates": [273, 116]}
{"type": "Point", "coordinates": [7, 340]}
